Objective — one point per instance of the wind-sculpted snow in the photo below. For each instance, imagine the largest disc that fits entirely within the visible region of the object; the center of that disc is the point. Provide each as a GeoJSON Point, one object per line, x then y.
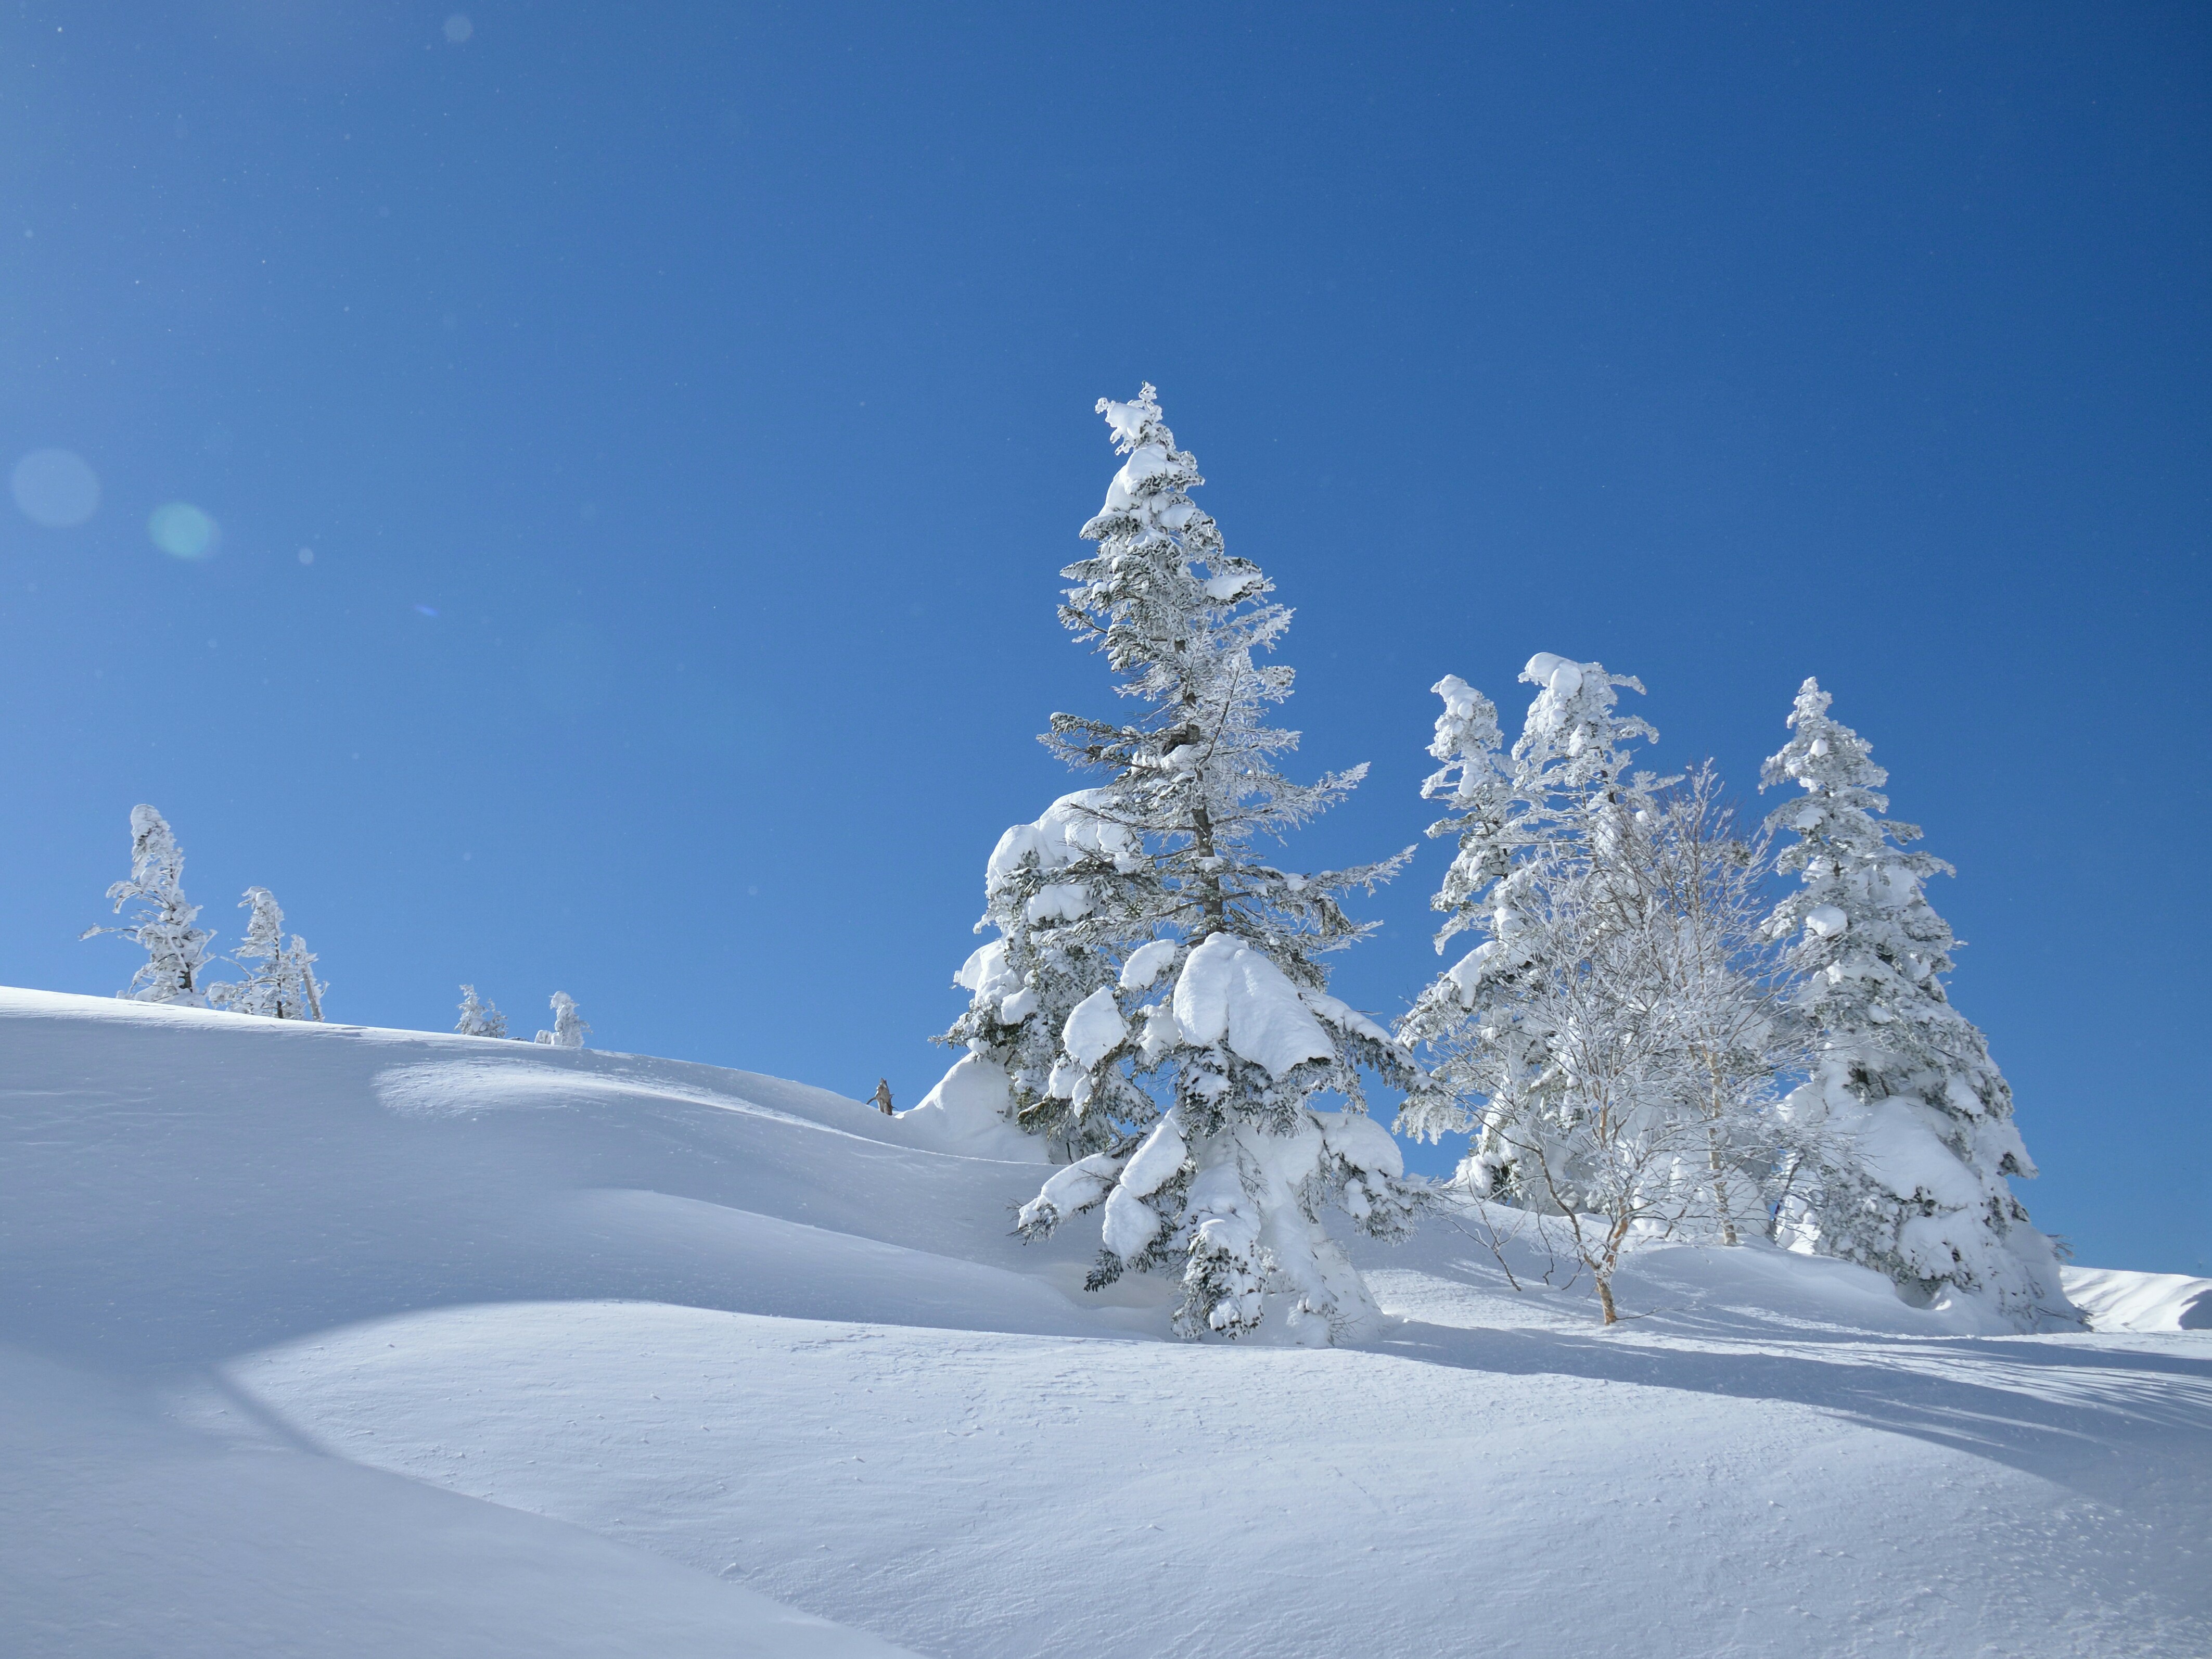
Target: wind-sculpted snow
{"type": "Point", "coordinates": [347, 1341]}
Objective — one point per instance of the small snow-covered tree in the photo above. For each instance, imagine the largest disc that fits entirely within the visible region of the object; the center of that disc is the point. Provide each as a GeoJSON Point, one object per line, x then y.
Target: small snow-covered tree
{"type": "Point", "coordinates": [1196, 1068]}
{"type": "Point", "coordinates": [1914, 1121]}
{"type": "Point", "coordinates": [568, 1027]}
{"type": "Point", "coordinates": [162, 923]}
{"type": "Point", "coordinates": [479, 1018]}
{"type": "Point", "coordinates": [279, 980]}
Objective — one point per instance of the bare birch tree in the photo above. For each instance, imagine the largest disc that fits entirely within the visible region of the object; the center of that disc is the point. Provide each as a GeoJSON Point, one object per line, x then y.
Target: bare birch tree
{"type": "Point", "coordinates": [1618, 1042]}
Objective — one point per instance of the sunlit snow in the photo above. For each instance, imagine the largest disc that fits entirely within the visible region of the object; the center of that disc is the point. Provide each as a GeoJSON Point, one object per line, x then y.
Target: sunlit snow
{"type": "Point", "coordinates": [333, 1340]}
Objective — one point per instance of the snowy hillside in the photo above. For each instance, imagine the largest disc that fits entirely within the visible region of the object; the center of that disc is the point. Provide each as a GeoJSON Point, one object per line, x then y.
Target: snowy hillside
{"type": "Point", "coordinates": [324, 1339]}
{"type": "Point", "coordinates": [2121, 1301]}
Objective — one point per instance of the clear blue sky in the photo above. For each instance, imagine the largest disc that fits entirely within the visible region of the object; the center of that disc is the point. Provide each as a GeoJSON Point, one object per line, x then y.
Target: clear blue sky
{"type": "Point", "coordinates": [688, 409]}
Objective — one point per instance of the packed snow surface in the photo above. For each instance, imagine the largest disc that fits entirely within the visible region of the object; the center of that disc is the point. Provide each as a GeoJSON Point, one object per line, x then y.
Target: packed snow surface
{"type": "Point", "coordinates": [347, 1342]}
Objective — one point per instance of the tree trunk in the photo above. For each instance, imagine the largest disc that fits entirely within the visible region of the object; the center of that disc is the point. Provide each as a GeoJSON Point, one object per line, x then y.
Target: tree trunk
{"type": "Point", "coordinates": [1713, 1164]}
{"type": "Point", "coordinates": [1720, 1191]}
{"type": "Point", "coordinates": [1605, 1300]}
{"type": "Point", "coordinates": [1210, 882]}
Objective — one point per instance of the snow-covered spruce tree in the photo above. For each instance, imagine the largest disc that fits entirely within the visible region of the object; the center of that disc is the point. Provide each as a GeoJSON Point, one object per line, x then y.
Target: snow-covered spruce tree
{"type": "Point", "coordinates": [279, 980]}
{"type": "Point", "coordinates": [568, 1027]}
{"type": "Point", "coordinates": [1910, 1119]}
{"type": "Point", "coordinates": [1056, 945]}
{"type": "Point", "coordinates": [162, 924]}
{"type": "Point", "coordinates": [479, 1018]}
{"type": "Point", "coordinates": [1196, 1068]}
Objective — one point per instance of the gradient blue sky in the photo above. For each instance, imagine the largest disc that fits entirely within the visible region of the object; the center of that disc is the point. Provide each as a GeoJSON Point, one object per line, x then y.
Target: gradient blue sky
{"type": "Point", "coordinates": [688, 409]}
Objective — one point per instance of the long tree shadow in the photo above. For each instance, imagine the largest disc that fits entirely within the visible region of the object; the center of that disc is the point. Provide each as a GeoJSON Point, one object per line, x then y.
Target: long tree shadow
{"type": "Point", "coordinates": [2057, 1408]}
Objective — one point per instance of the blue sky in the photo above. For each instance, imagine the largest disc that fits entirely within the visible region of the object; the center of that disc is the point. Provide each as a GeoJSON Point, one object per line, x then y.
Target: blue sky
{"type": "Point", "coordinates": [688, 410]}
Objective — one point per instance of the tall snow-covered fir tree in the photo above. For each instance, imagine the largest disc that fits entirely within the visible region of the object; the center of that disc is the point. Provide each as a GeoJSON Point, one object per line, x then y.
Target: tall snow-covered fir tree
{"type": "Point", "coordinates": [1913, 1120]}
{"type": "Point", "coordinates": [279, 980]}
{"type": "Point", "coordinates": [163, 922]}
{"type": "Point", "coordinates": [479, 1018]}
{"type": "Point", "coordinates": [1192, 1069]}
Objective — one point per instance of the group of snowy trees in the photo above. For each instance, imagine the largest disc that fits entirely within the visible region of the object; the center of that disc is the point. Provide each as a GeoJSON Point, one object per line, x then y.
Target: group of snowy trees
{"type": "Point", "coordinates": [280, 981]}
{"type": "Point", "coordinates": [1645, 1042]}
{"type": "Point", "coordinates": [481, 1018]}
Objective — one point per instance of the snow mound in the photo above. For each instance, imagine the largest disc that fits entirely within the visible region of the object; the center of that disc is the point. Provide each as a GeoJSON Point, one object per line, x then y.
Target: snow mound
{"type": "Point", "coordinates": [968, 1113]}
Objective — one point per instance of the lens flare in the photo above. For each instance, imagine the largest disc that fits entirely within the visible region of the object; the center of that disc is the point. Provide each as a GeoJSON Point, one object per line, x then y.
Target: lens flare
{"type": "Point", "coordinates": [55, 488]}
{"type": "Point", "coordinates": [458, 28]}
{"type": "Point", "coordinates": [183, 530]}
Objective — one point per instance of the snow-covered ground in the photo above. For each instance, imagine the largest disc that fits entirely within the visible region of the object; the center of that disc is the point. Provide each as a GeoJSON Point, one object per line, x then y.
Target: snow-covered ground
{"type": "Point", "coordinates": [346, 1341]}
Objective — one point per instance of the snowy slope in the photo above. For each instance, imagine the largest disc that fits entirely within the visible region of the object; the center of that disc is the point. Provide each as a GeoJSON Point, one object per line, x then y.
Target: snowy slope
{"type": "Point", "coordinates": [2116, 1300]}
{"type": "Point", "coordinates": [433, 1345]}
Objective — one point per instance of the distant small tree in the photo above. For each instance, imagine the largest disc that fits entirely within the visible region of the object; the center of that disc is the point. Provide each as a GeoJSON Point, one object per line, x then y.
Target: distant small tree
{"type": "Point", "coordinates": [279, 980]}
{"type": "Point", "coordinates": [297, 968]}
{"type": "Point", "coordinates": [568, 1027]}
{"type": "Point", "coordinates": [163, 922]}
{"type": "Point", "coordinates": [479, 1018]}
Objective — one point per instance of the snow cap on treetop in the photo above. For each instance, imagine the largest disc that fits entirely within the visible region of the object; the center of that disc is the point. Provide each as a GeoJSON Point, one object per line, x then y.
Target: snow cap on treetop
{"type": "Point", "coordinates": [1130, 421]}
{"type": "Point", "coordinates": [1553, 672]}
